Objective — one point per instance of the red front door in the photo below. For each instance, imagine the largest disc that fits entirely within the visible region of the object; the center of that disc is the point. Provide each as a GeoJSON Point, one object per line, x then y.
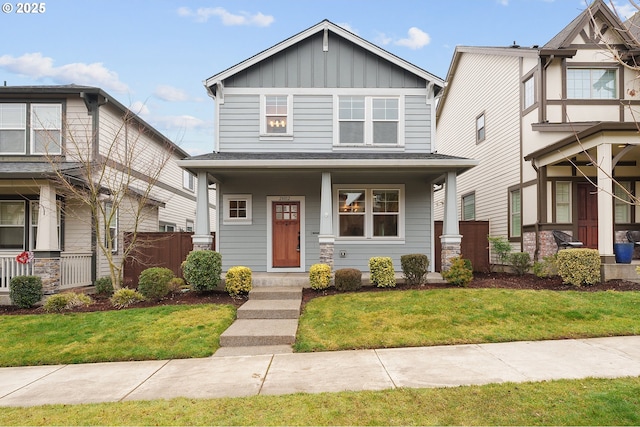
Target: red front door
{"type": "Point", "coordinates": [286, 234]}
{"type": "Point", "coordinates": [588, 215]}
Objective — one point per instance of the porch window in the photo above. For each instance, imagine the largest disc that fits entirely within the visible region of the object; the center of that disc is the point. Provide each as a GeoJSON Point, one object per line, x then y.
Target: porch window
{"type": "Point", "coordinates": [46, 128]}
{"type": "Point", "coordinates": [366, 120]}
{"type": "Point", "coordinates": [12, 224]}
{"type": "Point", "coordinates": [111, 227]}
{"type": "Point", "coordinates": [515, 214]}
{"type": "Point", "coordinates": [237, 209]}
{"type": "Point", "coordinates": [592, 83]}
{"type": "Point", "coordinates": [276, 115]}
{"type": "Point", "coordinates": [35, 212]}
{"type": "Point", "coordinates": [563, 202]}
{"type": "Point", "coordinates": [13, 128]}
{"type": "Point", "coordinates": [480, 129]}
{"type": "Point", "coordinates": [622, 202]}
{"type": "Point", "coordinates": [469, 207]}
{"type": "Point", "coordinates": [369, 212]}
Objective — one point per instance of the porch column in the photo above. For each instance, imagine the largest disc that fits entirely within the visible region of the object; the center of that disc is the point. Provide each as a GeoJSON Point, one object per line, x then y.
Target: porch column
{"type": "Point", "coordinates": [451, 237]}
{"type": "Point", "coordinates": [47, 262]}
{"type": "Point", "coordinates": [202, 238]}
{"type": "Point", "coordinates": [605, 201]}
{"type": "Point", "coordinates": [326, 237]}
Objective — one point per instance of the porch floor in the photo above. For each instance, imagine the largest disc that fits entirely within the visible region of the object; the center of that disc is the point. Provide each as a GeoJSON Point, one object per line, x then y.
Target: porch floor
{"type": "Point", "coordinates": [302, 279]}
{"type": "Point", "coordinates": [615, 271]}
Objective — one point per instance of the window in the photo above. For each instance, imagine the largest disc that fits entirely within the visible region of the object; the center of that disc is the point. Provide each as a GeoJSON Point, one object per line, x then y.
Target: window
{"type": "Point", "coordinates": [44, 136]}
{"type": "Point", "coordinates": [188, 180]}
{"type": "Point", "coordinates": [237, 208]}
{"type": "Point", "coordinates": [189, 226]}
{"type": "Point", "coordinates": [622, 204]}
{"type": "Point", "coordinates": [529, 93]}
{"type": "Point", "coordinates": [469, 207]}
{"type": "Point", "coordinates": [591, 83]}
{"type": "Point", "coordinates": [368, 120]}
{"type": "Point", "coordinates": [35, 212]}
{"type": "Point", "coordinates": [563, 202]}
{"type": "Point", "coordinates": [371, 213]}
{"type": "Point", "coordinates": [12, 224]}
{"type": "Point", "coordinates": [480, 131]}
{"type": "Point", "coordinates": [167, 227]}
{"type": "Point", "coordinates": [515, 214]}
{"type": "Point", "coordinates": [111, 227]}
{"type": "Point", "coordinates": [276, 115]}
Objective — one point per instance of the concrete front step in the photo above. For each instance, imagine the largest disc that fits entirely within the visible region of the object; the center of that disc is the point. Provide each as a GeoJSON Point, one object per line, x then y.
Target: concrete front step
{"type": "Point", "coordinates": [253, 332]}
{"type": "Point", "coordinates": [276, 293]}
{"type": "Point", "coordinates": [270, 309]}
{"type": "Point", "coordinates": [256, 350]}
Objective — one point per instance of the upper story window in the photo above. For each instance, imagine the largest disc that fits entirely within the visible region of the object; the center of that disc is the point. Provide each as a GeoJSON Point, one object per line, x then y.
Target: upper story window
{"type": "Point", "coordinates": [592, 83]}
{"type": "Point", "coordinates": [529, 95]}
{"type": "Point", "coordinates": [469, 207]}
{"type": "Point", "coordinates": [365, 120]}
{"type": "Point", "coordinates": [41, 134]}
{"type": "Point", "coordinates": [480, 129]}
{"type": "Point", "coordinates": [276, 115]}
{"type": "Point", "coordinates": [188, 180]}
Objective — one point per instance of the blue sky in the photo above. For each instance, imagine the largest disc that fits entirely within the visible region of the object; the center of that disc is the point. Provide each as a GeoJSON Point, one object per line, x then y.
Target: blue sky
{"type": "Point", "coordinates": [153, 55]}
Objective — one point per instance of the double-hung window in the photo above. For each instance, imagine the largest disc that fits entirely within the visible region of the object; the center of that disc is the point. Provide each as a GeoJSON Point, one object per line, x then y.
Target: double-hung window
{"type": "Point", "coordinates": [276, 115]}
{"type": "Point", "coordinates": [515, 214]}
{"type": "Point", "coordinates": [368, 120]}
{"type": "Point", "coordinates": [46, 128]}
{"type": "Point", "coordinates": [480, 128]}
{"type": "Point", "coordinates": [12, 224]}
{"type": "Point", "coordinates": [369, 212]}
{"type": "Point", "coordinates": [13, 128]}
{"type": "Point", "coordinates": [111, 227]}
{"type": "Point", "coordinates": [30, 128]}
{"type": "Point", "coordinates": [469, 207]}
{"type": "Point", "coordinates": [622, 202]}
{"type": "Point", "coordinates": [563, 202]}
{"type": "Point", "coordinates": [592, 83]}
{"type": "Point", "coordinates": [188, 180]}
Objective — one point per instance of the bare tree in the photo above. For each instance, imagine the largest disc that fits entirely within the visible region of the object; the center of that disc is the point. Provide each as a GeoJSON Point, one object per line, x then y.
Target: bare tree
{"type": "Point", "coordinates": [111, 171]}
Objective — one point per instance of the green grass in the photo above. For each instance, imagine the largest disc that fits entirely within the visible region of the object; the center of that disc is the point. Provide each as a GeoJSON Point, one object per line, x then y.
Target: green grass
{"type": "Point", "coordinates": [456, 316]}
{"type": "Point", "coordinates": [163, 332]}
{"type": "Point", "coordinates": [563, 402]}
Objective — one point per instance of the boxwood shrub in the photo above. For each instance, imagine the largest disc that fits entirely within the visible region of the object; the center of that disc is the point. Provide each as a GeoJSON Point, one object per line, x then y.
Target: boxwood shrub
{"type": "Point", "coordinates": [25, 291]}
{"type": "Point", "coordinates": [382, 273]}
{"type": "Point", "coordinates": [348, 279]}
{"type": "Point", "coordinates": [153, 282]}
{"type": "Point", "coordinates": [203, 270]}
{"type": "Point", "coordinates": [414, 268]}
{"type": "Point", "coordinates": [580, 266]}
{"type": "Point", "coordinates": [320, 276]}
{"type": "Point", "coordinates": [238, 281]}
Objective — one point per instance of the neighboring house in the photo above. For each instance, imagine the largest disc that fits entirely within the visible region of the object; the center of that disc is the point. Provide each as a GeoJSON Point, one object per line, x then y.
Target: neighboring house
{"type": "Point", "coordinates": [538, 119]}
{"type": "Point", "coordinates": [40, 127]}
{"type": "Point", "coordinates": [324, 152]}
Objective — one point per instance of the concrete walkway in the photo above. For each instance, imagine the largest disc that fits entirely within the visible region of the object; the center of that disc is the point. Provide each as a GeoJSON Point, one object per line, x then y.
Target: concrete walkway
{"type": "Point", "coordinates": [271, 374]}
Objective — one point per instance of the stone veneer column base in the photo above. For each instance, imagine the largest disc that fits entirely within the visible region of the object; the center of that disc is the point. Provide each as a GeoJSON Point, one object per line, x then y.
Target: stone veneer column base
{"type": "Point", "coordinates": [450, 249]}
{"type": "Point", "coordinates": [327, 250]}
{"type": "Point", "coordinates": [201, 243]}
{"type": "Point", "coordinates": [47, 266]}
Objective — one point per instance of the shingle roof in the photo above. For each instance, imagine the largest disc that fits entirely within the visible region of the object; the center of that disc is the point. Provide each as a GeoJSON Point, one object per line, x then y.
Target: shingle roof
{"type": "Point", "coordinates": [321, 156]}
{"type": "Point", "coordinates": [32, 169]}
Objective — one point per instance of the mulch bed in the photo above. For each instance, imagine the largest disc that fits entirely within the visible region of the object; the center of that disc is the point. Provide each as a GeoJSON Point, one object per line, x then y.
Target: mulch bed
{"type": "Point", "coordinates": [480, 280]}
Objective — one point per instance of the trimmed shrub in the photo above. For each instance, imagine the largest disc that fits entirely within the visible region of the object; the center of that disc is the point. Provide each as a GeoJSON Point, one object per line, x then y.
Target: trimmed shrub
{"type": "Point", "coordinates": [320, 276]}
{"type": "Point", "coordinates": [238, 281]}
{"type": "Point", "coordinates": [203, 270]}
{"type": "Point", "coordinates": [153, 282]}
{"type": "Point", "coordinates": [460, 273]}
{"type": "Point", "coordinates": [348, 279]}
{"type": "Point", "coordinates": [579, 266]}
{"type": "Point", "coordinates": [125, 297]}
{"type": "Point", "coordinates": [65, 301]}
{"type": "Point", "coordinates": [548, 267]}
{"type": "Point", "coordinates": [177, 284]}
{"type": "Point", "coordinates": [25, 291]}
{"type": "Point", "coordinates": [521, 262]}
{"type": "Point", "coordinates": [414, 268]}
{"type": "Point", "coordinates": [382, 273]}
{"type": "Point", "coordinates": [104, 286]}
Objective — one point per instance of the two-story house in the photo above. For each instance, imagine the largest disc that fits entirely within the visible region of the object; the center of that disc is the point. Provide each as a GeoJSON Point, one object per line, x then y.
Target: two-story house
{"type": "Point", "coordinates": [324, 152]}
{"type": "Point", "coordinates": [50, 135]}
{"type": "Point", "coordinates": [555, 129]}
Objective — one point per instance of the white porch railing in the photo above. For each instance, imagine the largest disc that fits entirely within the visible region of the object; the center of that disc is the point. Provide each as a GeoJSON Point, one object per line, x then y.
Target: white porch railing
{"type": "Point", "coordinates": [75, 269]}
{"type": "Point", "coordinates": [10, 268]}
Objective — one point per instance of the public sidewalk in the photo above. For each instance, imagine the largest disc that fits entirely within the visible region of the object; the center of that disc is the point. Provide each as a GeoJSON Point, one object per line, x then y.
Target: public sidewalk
{"type": "Point", "coordinates": [270, 374]}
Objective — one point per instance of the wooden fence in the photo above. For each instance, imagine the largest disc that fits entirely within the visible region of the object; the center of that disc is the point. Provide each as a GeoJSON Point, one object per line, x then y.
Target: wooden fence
{"type": "Point", "coordinates": [474, 246]}
{"type": "Point", "coordinates": [160, 249]}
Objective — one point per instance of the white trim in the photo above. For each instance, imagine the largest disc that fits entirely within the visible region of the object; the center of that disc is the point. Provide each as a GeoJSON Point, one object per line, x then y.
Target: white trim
{"type": "Point", "coordinates": [226, 199]}
{"type": "Point", "coordinates": [263, 113]}
{"type": "Point", "coordinates": [36, 125]}
{"type": "Point", "coordinates": [386, 92]}
{"type": "Point", "coordinates": [369, 96]}
{"type": "Point", "coordinates": [270, 268]}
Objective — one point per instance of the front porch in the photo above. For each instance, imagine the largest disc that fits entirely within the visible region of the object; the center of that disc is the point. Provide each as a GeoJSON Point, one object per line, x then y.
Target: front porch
{"type": "Point", "coordinates": [613, 271]}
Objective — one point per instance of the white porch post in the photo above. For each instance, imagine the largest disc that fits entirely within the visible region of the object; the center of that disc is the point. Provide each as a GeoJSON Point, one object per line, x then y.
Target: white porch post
{"type": "Point", "coordinates": [326, 236]}
{"type": "Point", "coordinates": [47, 234]}
{"type": "Point", "coordinates": [202, 238]}
{"type": "Point", "coordinates": [451, 237]}
{"type": "Point", "coordinates": [605, 201]}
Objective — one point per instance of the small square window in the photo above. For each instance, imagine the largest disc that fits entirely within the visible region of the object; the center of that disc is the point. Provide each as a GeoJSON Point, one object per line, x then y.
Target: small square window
{"type": "Point", "coordinates": [237, 209]}
{"type": "Point", "coordinates": [480, 130]}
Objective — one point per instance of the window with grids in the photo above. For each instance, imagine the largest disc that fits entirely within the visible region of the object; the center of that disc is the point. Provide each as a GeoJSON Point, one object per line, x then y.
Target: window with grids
{"type": "Point", "coordinates": [369, 212]}
{"type": "Point", "coordinates": [515, 214]}
{"type": "Point", "coordinates": [276, 114]}
{"type": "Point", "coordinates": [592, 83]}
{"type": "Point", "coordinates": [622, 202]}
{"type": "Point", "coordinates": [237, 209]}
{"type": "Point", "coordinates": [368, 120]}
{"type": "Point", "coordinates": [563, 202]}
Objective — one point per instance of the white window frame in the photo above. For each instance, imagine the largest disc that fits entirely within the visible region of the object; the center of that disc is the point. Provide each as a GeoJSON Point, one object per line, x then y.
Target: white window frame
{"type": "Point", "coordinates": [226, 202]}
{"type": "Point", "coordinates": [21, 223]}
{"type": "Point", "coordinates": [189, 225]}
{"type": "Point", "coordinates": [108, 226]}
{"type": "Point", "coordinates": [591, 70]}
{"type": "Point", "coordinates": [167, 227]}
{"type": "Point", "coordinates": [53, 147]}
{"type": "Point", "coordinates": [481, 128]}
{"type": "Point", "coordinates": [368, 121]}
{"type": "Point", "coordinates": [622, 202]}
{"type": "Point", "coordinates": [564, 204]}
{"type": "Point", "coordinates": [368, 235]}
{"type": "Point", "coordinates": [264, 131]}
{"type": "Point", "coordinates": [188, 180]}
{"type": "Point", "coordinates": [15, 126]}
{"type": "Point", "coordinates": [529, 92]}
{"type": "Point", "coordinates": [515, 215]}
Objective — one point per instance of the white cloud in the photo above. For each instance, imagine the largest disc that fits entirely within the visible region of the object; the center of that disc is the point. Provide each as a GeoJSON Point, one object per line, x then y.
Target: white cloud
{"type": "Point", "coordinates": [243, 18]}
{"type": "Point", "coordinates": [503, 2]}
{"type": "Point", "coordinates": [36, 66]}
{"type": "Point", "coordinates": [382, 39]}
{"type": "Point", "coordinates": [625, 10]}
{"type": "Point", "coordinates": [348, 27]}
{"type": "Point", "coordinates": [416, 40]}
{"type": "Point", "coordinates": [179, 122]}
{"type": "Point", "coordinates": [140, 108]}
{"type": "Point", "coordinates": [170, 93]}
